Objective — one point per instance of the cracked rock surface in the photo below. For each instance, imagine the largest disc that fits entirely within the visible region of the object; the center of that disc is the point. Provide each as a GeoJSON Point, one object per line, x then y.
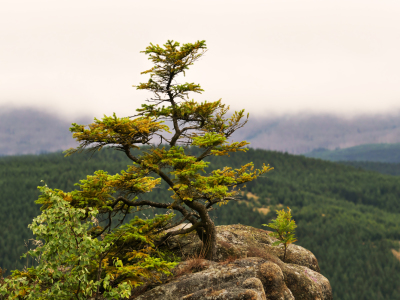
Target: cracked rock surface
{"type": "Point", "coordinates": [247, 267]}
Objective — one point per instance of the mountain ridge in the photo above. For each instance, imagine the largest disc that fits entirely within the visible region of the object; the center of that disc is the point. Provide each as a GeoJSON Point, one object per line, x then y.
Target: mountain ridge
{"type": "Point", "coordinates": [35, 131]}
{"type": "Point", "coordinates": [383, 153]}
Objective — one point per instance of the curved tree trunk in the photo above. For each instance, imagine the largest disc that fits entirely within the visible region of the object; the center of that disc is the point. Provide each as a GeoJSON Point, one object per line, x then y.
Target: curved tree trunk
{"type": "Point", "coordinates": [209, 235]}
{"type": "Point", "coordinates": [210, 242]}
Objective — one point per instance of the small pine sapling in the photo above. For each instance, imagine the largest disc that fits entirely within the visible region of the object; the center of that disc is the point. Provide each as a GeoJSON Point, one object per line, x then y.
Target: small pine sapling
{"type": "Point", "coordinates": [284, 229]}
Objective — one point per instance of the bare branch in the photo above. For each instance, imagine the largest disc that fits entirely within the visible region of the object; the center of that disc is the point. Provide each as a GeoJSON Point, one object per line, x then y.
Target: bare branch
{"type": "Point", "coordinates": [175, 224]}
{"type": "Point", "coordinates": [211, 203]}
{"type": "Point", "coordinates": [178, 232]}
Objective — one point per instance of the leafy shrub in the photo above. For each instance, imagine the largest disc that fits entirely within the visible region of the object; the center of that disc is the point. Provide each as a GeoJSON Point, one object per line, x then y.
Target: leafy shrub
{"type": "Point", "coordinates": [74, 265]}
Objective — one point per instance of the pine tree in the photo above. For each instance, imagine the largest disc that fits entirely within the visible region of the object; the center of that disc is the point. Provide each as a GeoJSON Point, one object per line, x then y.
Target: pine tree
{"type": "Point", "coordinates": [203, 125]}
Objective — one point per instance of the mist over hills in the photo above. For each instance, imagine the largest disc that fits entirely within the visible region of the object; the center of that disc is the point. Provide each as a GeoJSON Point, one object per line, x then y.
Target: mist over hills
{"type": "Point", "coordinates": [383, 153]}
{"type": "Point", "coordinates": [303, 133]}
{"type": "Point", "coordinates": [31, 131]}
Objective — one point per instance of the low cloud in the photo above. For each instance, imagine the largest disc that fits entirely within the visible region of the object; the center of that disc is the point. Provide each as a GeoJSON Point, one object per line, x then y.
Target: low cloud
{"type": "Point", "coordinates": [33, 131]}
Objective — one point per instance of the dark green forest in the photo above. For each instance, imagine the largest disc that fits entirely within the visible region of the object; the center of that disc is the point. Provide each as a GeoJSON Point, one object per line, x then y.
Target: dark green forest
{"type": "Point", "coordinates": [380, 167]}
{"type": "Point", "coordinates": [348, 217]}
{"type": "Point", "coordinates": [386, 153]}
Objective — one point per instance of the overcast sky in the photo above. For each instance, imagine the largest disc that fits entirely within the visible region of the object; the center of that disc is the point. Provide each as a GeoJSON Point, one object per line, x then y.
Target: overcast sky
{"type": "Point", "coordinates": [81, 57]}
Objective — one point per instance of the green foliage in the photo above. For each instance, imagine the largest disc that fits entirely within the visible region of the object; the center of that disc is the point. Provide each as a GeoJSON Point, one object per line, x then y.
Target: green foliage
{"type": "Point", "coordinates": [72, 264]}
{"type": "Point", "coordinates": [284, 228]}
{"type": "Point", "coordinates": [109, 257]}
{"type": "Point", "coordinates": [172, 60]}
{"type": "Point", "coordinates": [204, 126]}
{"type": "Point", "coordinates": [349, 218]}
{"type": "Point", "coordinates": [114, 130]}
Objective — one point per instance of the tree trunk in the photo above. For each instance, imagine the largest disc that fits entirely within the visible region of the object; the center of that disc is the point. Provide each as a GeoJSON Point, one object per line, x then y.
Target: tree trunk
{"type": "Point", "coordinates": [209, 249]}
{"type": "Point", "coordinates": [209, 233]}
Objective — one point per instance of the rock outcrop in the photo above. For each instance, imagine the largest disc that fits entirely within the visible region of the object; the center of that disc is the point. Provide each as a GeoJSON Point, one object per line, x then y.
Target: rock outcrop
{"type": "Point", "coordinates": [248, 267]}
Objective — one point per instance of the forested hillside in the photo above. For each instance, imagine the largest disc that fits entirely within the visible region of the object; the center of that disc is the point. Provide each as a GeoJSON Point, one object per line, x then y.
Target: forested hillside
{"type": "Point", "coordinates": [388, 153]}
{"type": "Point", "coordinates": [349, 218]}
{"type": "Point", "coordinates": [380, 167]}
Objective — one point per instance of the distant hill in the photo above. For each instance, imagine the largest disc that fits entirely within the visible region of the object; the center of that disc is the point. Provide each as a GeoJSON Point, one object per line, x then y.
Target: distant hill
{"type": "Point", "coordinates": [385, 153]}
{"type": "Point", "coordinates": [302, 133]}
{"type": "Point", "coordinates": [349, 218]}
{"type": "Point", "coordinates": [34, 131]}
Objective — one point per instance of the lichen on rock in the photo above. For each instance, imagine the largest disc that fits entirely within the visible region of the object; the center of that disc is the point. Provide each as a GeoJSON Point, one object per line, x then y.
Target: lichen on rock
{"type": "Point", "coordinates": [247, 267]}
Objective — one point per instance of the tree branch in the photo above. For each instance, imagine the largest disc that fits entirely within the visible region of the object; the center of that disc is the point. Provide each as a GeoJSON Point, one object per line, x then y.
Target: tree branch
{"type": "Point", "coordinates": [174, 225]}
{"type": "Point", "coordinates": [177, 207]}
{"type": "Point", "coordinates": [211, 203]}
{"type": "Point", "coordinates": [181, 231]}
{"type": "Point", "coordinates": [157, 171]}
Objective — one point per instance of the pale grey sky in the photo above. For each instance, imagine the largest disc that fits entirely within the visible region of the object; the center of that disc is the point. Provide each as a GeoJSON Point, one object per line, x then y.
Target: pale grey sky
{"type": "Point", "coordinates": [282, 56]}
